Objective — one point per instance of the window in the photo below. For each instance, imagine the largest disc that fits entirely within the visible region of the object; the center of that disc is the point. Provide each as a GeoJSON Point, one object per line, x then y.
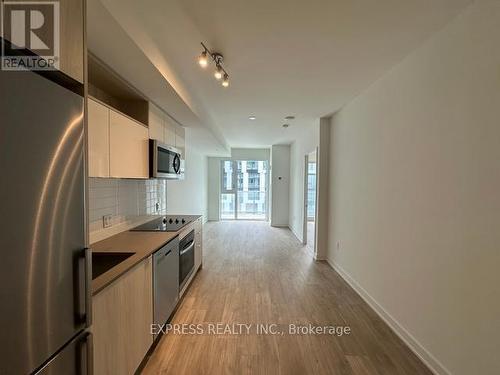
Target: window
{"type": "Point", "coordinates": [250, 198]}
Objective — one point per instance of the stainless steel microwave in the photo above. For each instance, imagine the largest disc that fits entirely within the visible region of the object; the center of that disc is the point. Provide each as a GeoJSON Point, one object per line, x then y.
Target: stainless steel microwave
{"type": "Point", "coordinates": [165, 161]}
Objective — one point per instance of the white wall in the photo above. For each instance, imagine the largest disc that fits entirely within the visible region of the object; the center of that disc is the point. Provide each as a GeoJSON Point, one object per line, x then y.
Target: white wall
{"type": "Point", "coordinates": [214, 188]}
{"type": "Point", "coordinates": [298, 150]}
{"type": "Point", "coordinates": [323, 183]}
{"type": "Point", "coordinates": [189, 196]}
{"type": "Point", "coordinates": [214, 177]}
{"type": "Point", "coordinates": [280, 184]}
{"type": "Point", "coordinates": [250, 154]}
{"type": "Point", "coordinates": [415, 195]}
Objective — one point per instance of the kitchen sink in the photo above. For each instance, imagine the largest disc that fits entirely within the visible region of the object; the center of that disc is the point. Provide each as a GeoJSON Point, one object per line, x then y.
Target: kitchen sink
{"type": "Point", "coordinates": [102, 262]}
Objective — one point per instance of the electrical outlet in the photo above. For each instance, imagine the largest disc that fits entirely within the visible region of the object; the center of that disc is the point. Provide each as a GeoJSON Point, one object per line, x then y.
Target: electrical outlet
{"type": "Point", "coordinates": [338, 245]}
{"type": "Point", "coordinates": [106, 221]}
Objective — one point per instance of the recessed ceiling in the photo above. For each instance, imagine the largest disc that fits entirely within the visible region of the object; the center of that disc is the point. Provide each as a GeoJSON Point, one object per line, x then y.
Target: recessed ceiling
{"type": "Point", "coordinates": [284, 56]}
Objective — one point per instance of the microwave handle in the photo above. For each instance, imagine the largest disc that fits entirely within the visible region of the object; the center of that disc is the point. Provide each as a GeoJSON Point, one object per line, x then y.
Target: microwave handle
{"type": "Point", "coordinates": [177, 163]}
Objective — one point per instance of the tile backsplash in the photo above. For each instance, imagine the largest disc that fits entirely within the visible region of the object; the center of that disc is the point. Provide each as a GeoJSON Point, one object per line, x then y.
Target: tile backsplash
{"type": "Point", "coordinates": [127, 201]}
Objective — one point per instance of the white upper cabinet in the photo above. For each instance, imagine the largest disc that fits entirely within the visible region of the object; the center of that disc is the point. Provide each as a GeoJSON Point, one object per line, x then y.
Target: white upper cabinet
{"type": "Point", "coordinates": [180, 139]}
{"type": "Point", "coordinates": [117, 145]}
{"type": "Point", "coordinates": [156, 124]}
{"type": "Point", "coordinates": [128, 147]}
{"type": "Point", "coordinates": [161, 126]}
{"type": "Point", "coordinates": [98, 139]}
{"type": "Point", "coordinates": [169, 131]}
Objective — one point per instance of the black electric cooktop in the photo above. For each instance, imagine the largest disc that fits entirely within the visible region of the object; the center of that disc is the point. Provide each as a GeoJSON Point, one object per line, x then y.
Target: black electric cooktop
{"type": "Point", "coordinates": [167, 223]}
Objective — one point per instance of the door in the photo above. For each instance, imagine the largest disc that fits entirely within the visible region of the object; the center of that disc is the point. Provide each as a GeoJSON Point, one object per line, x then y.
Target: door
{"type": "Point", "coordinates": [72, 38]}
{"type": "Point", "coordinates": [165, 281]}
{"type": "Point", "coordinates": [98, 139]}
{"type": "Point", "coordinates": [186, 258]}
{"type": "Point", "coordinates": [74, 359]}
{"type": "Point", "coordinates": [244, 190]}
{"type": "Point", "coordinates": [180, 140]}
{"type": "Point", "coordinates": [169, 131]}
{"type": "Point", "coordinates": [129, 147]}
{"type": "Point", "coordinates": [310, 196]}
{"type": "Point", "coordinates": [42, 270]}
{"type": "Point", "coordinates": [228, 191]}
{"type": "Point", "coordinates": [155, 124]}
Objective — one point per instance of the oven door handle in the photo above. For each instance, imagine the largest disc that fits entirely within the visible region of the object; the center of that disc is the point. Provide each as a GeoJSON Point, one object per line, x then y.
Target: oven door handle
{"type": "Point", "coordinates": [177, 163]}
{"type": "Point", "coordinates": [186, 249]}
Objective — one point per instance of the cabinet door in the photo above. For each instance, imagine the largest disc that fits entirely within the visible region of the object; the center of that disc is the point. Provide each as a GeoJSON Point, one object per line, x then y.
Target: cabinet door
{"type": "Point", "coordinates": [169, 131]}
{"type": "Point", "coordinates": [180, 139]}
{"type": "Point", "coordinates": [156, 126]}
{"type": "Point", "coordinates": [128, 147]}
{"type": "Point", "coordinates": [71, 31]}
{"type": "Point", "coordinates": [71, 38]}
{"type": "Point", "coordinates": [98, 139]}
{"type": "Point", "coordinates": [122, 318]}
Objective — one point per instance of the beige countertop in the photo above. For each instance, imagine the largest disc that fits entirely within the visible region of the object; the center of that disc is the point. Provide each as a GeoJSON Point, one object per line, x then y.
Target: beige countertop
{"type": "Point", "coordinates": [143, 244]}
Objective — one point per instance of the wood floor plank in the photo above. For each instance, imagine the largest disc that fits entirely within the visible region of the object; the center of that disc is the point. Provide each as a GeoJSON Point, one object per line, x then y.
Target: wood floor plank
{"type": "Point", "coordinates": [254, 274]}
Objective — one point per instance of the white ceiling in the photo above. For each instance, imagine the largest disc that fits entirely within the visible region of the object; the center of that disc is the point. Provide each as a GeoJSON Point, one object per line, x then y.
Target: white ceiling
{"type": "Point", "coordinates": [108, 41]}
{"type": "Point", "coordinates": [284, 57]}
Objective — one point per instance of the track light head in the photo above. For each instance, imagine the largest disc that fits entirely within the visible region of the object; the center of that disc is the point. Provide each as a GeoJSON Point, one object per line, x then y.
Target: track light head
{"type": "Point", "coordinates": [225, 82]}
{"type": "Point", "coordinates": [203, 60]}
{"type": "Point", "coordinates": [218, 72]}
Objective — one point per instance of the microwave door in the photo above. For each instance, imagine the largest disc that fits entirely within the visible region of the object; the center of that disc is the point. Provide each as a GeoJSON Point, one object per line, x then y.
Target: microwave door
{"type": "Point", "coordinates": [165, 164]}
{"type": "Point", "coordinates": [166, 161]}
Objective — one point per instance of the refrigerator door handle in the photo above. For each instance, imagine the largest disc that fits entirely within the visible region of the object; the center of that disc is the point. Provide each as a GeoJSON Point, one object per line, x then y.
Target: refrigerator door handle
{"type": "Point", "coordinates": [88, 287]}
{"type": "Point", "coordinates": [89, 363]}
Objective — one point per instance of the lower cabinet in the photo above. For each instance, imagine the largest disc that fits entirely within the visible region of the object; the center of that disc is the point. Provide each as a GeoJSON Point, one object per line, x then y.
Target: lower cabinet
{"type": "Point", "coordinates": [122, 317]}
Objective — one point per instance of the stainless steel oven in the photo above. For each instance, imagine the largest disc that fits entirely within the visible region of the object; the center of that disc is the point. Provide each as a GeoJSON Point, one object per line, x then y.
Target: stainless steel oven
{"type": "Point", "coordinates": [165, 161]}
{"type": "Point", "coordinates": [186, 258]}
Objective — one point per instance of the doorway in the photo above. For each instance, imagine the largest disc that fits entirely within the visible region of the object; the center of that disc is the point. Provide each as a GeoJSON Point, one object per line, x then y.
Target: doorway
{"type": "Point", "coordinates": [244, 190]}
{"type": "Point", "coordinates": [310, 199]}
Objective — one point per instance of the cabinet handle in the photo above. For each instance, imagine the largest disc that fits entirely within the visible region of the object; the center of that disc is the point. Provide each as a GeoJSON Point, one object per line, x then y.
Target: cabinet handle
{"type": "Point", "coordinates": [187, 248]}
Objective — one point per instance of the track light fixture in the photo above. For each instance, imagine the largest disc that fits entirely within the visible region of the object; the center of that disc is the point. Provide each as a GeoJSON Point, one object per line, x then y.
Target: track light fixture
{"type": "Point", "coordinates": [217, 58]}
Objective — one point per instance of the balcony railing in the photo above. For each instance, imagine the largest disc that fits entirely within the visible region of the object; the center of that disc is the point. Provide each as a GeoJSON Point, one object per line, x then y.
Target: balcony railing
{"type": "Point", "coordinates": [252, 205]}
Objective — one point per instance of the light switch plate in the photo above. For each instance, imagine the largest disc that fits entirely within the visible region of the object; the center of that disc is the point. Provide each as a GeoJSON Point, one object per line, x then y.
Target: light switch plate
{"type": "Point", "coordinates": [106, 221]}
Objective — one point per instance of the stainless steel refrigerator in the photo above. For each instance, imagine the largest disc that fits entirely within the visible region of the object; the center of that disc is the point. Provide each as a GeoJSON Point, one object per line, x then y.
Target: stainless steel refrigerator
{"type": "Point", "coordinates": [44, 267]}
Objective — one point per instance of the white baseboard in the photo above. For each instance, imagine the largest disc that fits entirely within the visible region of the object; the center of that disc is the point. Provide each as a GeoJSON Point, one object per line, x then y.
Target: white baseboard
{"type": "Point", "coordinates": [425, 356]}
{"type": "Point", "coordinates": [280, 225]}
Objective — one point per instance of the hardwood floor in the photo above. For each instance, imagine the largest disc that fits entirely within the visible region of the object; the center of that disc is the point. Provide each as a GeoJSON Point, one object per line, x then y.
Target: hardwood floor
{"type": "Point", "coordinates": [253, 273]}
{"type": "Point", "coordinates": [311, 233]}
